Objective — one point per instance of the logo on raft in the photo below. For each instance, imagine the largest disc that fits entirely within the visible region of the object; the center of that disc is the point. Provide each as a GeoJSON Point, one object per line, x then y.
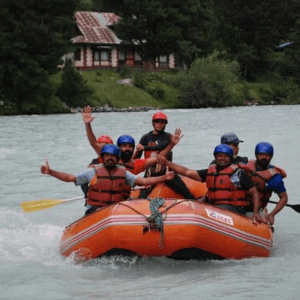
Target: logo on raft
{"type": "Point", "coordinates": [220, 217]}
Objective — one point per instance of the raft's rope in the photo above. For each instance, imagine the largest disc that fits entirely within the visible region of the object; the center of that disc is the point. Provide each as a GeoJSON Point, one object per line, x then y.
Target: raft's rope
{"type": "Point", "coordinates": [155, 220]}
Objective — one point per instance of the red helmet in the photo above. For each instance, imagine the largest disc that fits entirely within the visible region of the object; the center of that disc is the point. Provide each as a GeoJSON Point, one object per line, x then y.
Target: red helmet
{"type": "Point", "coordinates": [160, 116]}
{"type": "Point", "coordinates": [105, 139]}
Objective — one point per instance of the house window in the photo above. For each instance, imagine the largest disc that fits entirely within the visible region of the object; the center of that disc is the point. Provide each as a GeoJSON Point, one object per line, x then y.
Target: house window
{"type": "Point", "coordinates": [137, 58]}
{"type": "Point", "coordinates": [96, 55]}
{"type": "Point", "coordinates": [102, 55]}
{"type": "Point", "coordinates": [163, 61]}
{"type": "Point", "coordinates": [122, 57]}
{"type": "Point", "coordinates": [77, 54]}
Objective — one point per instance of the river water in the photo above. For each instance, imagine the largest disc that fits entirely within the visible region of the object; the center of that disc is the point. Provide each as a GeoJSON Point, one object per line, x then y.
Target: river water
{"type": "Point", "coordinates": [31, 266]}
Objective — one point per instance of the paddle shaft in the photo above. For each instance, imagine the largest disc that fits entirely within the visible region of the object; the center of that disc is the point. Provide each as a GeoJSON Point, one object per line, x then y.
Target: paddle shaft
{"type": "Point", "coordinates": [36, 205]}
{"type": "Point", "coordinates": [71, 199]}
{"type": "Point", "coordinates": [295, 207]}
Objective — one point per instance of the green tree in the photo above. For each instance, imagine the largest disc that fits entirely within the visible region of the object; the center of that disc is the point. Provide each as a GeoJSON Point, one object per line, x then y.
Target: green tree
{"type": "Point", "coordinates": [34, 36]}
{"type": "Point", "coordinates": [210, 82]}
{"type": "Point", "coordinates": [250, 30]}
{"type": "Point", "coordinates": [73, 90]}
{"type": "Point", "coordinates": [162, 27]}
{"type": "Point", "coordinates": [198, 28]}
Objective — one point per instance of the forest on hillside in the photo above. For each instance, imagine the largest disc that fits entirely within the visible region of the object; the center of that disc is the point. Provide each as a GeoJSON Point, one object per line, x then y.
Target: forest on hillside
{"type": "Point", "coordinates": [230, 48]}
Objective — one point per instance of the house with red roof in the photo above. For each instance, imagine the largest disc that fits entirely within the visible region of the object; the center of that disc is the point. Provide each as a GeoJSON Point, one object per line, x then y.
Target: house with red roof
{"type": "Point", "coordinates": [97, 46]}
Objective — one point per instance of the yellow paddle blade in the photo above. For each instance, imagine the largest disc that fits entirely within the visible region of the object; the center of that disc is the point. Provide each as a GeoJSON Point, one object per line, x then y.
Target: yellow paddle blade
{"type": "Point", "coordinates": [36, 205]}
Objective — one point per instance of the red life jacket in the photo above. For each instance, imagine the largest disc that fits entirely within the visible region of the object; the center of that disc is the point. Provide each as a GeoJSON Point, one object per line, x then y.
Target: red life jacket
{"type": "Point", "coordinates": [220, 188]}
{"type": "Point", "coordinates": [108, 187]}
{"type": "Point", "coordinates": [260, 178]}
{"type": "Point", "coordinates": [148, 153]}
{"type": "Point", "coordinates": [129, 165]}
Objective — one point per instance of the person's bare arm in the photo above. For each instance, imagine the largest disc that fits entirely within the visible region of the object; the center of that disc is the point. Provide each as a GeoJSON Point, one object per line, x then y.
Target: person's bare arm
{"type": "Point", "coordinates": [193, 174]}
{"type": "Point", "coordinates": [256, 203]}
{"type": "Point", "coordinates": [175, 139]}
{"type": "Point", "coordinates": [138, 151]}
{"type": "Point", "coordinates": [283, 199]}
{"type": "Point", "coordinates": [45, 169]}
{"type": "Point", "coordinates": [87, 119]}
{"type": "Point", "coordinates": [154, 180]}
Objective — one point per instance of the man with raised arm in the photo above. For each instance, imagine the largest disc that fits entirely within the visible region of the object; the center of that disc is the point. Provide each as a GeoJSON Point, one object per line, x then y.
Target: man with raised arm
{"type": "Point", "coordinates": [108, 181]}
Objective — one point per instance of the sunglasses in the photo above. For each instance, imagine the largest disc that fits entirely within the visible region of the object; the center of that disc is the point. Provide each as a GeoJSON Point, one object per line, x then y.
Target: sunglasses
{"type": "Point", "coordinates": [159, 121]}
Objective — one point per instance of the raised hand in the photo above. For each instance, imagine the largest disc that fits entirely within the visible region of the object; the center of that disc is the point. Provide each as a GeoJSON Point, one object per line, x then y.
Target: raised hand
{"type": "Point", "coordinates": [169, 174]}
{"type": "Point", "coordinates": [177, 136]}
{"type": "Point", "coordinates": [140, 147]}
{"type": "Point", "coordinates": [45, 168]}
{"type": "Point", "coordinates": [87, 115]}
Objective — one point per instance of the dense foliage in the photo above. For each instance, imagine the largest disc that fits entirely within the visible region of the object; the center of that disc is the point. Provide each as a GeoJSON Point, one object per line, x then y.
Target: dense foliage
{"type": "Point", "coordinates": [249, 31]}
{"type": "Point", "coordinates": [209, 82]}
{"type": "Point", "coordinates": [34, 36]}
{"type": "Point", "coordinates": [73, 90]}
{"type": "Point", "coordinates": [163, 27]}
{"type": "Point", "coordinates": [228, 50]}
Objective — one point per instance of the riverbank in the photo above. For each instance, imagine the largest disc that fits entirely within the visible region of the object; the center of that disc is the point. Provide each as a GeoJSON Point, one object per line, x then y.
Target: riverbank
{"type": "Point", "coordinates": [143, 92]}
{"type": "Point", "coordinates": [108, 109]}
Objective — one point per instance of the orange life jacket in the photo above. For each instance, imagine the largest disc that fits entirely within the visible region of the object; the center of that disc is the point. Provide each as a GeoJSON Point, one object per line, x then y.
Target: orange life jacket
{"type": "Point", "coordinates": [260, 178]}
{"type": "Point", "coordinates": [148, 153]}
{"type": "Point", "coordinates": [108, 187]}
{"type": "Point", "coordinates": [220, 188]}
{"type": "Point", "coordinates": [129, 165]}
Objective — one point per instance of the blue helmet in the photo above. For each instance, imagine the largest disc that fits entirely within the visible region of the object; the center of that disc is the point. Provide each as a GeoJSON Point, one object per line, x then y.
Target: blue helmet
{"type": "Point", "coordinates": [223, 148]}
{"type": "Point", "coordinates": [264, 147]}
{"type": "Point", "coordinates": [125, 139]}
{"type": "Point", "coordinates": [112, 149]}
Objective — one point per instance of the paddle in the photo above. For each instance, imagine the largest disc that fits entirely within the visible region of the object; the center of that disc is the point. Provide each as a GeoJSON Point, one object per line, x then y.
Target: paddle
{"type": "Point", "coordinates": [295, 207]}
{"type": "Point", "coordinates": [36, 205]}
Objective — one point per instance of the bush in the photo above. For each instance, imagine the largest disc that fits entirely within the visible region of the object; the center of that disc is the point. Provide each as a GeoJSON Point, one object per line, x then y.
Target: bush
{"type": "Point", "coordinates": [277, 91]}
{"type": "Point", "coordinates": [210, 82]}
{"type": "Point", "coordinates": [73, 90]}
{"type": "Point", "coordinates": [125, 72]}
{"type": "Point", "coordinates": [158, 76]}
{"type": "Point", "coordinates": [140, 79]}
{"type": "Point", "coordinates": [156, 93]}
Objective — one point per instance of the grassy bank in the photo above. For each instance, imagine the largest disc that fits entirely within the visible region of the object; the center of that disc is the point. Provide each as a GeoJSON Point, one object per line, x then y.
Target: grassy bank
{"type": "Point", "coordinates": [154, 93]}
{"type": "Point", "coordinates": [203, 88]}
{"type": "Point", "coordinates": [108, 91]}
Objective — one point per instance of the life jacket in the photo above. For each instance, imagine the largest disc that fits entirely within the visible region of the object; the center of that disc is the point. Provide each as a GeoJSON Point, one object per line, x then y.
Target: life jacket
{"type": "Point", "coordinates": [108, 187]}
{"type": "Point", "coordinates": [220, 188]}
{"type": "Point", "coordinates": [129, 165]}
{"type": "Point", "coordinates": [261, 177]}
{"type": "Point", "coordinates": [148, 153]}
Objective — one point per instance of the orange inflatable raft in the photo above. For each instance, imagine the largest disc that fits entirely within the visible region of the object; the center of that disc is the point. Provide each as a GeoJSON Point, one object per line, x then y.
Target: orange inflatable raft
{"type": "Point", "coordinates": [180, 228]}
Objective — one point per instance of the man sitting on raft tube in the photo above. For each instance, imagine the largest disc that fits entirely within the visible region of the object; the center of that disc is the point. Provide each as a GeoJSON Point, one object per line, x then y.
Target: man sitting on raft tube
{"type": "Point", "coordinates": [228, 185]}
{"type": "Point", "coordinates": [108, 181]}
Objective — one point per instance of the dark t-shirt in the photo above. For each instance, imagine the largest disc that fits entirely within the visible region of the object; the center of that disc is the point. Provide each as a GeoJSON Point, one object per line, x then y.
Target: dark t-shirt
{"type": "Point", "coordinates": [155, 142]}
{"type": "Point", "coordinates": [244, 180]}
